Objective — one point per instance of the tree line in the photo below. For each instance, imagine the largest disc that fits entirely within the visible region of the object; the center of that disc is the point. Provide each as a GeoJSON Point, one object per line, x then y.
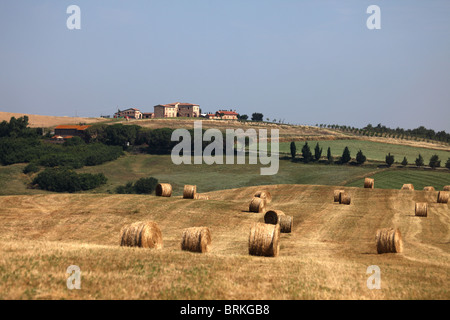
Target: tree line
{"type": "Point", "coordinates": [308, 156]}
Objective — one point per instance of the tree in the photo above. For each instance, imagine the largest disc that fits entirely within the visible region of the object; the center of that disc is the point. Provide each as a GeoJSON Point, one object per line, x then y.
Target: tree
{"type": "Point", "coordinates": [447, 164]}
{"type": "Point", "coordinates": [419, 161]}
{"type": "Point", "coordinates": [346, 155]}
{"type": "Point", "coordinates": [434, 161]}
{"type": "Point", "coordinates": [389, 159]}
{"type": "Point", "coordinates": [293, 150]}
{"type": "Point", "coordinates": [243, 117]}
{"type": "Point", "coordinates": [306, 153]}
{"type": "Point", "coordinates": [257, 116]}
{"type": "Point", "coordinates": [404, 162]}
{"type": "Point", "coordinates": [317, 152]}
{"type": "Point", "coordinates": [145, 185]}
{"type": "Point", "coordinates": [360, 157]}
{"type": "Point", "coordinates": [329, 156]}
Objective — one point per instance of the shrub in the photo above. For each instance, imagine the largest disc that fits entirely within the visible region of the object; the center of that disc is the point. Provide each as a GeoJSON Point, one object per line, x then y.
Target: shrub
{"type": "Point", "coordinates": [404, 162]}
{"type": "Point", "coordinates": [434, 161]}
{"type": "Point", "coordinates": [360, 157]}
{"type": "Point", "coordinates": [389, 160]}
{"type": "Point", "coordinates": [32, 167]}
{"type": "Point", "coordinates": [142, 186]}
{"type": "Point", "coordinates": [419, 161]}
{"type": "Point", "coordinates": [306, 153]}
{"type": "Point", "coordinates": [345, 155]}
{"type": "Point", "coordinates": [65, 180]}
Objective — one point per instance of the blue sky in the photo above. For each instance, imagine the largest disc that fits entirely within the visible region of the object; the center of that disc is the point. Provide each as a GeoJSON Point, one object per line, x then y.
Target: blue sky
{"type": "Point", "coordinates": [304, 62]}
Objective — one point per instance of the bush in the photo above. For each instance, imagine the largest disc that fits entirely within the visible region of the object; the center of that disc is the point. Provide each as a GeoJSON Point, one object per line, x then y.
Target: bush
{"type": "Point", "coordinates": [419, 161]}
{"type": "Point", "coordinates": [142, 186]}
{"type": "Point", "coordinates": [345, 156]}
{"type": "Point", "coordinates": [434, 161]}
{"type": "Point", "coordinates": [75, 141]}
{"type": "Point", "coordinates": [389, 160]}
{"type": "Point", "coordinates": [32, 167]}
{"type": "Point", "coordinates": [65, 180]}
{"type": "Point", "coordinates": [447, 164]}
{"type": "Point", "coordinates": [306, 153]}
{"type": "Point", "coordinates": [360, 157]}
{"type": "Point", "coordinates": [145, 185]}
{"type": "Point", "coordinates": [404, 162]}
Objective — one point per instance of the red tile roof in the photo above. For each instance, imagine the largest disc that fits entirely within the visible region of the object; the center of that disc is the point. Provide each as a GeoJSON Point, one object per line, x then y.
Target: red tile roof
{"type": "Point", "coordinates": [73, 127]}
{"type": "Point", "coordinates": [229, 113]}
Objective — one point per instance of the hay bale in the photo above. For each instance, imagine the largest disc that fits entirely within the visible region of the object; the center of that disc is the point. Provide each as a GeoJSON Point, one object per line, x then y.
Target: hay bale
{"type": "Point", "coordinates": [257, 205]}
{"type": "Point", "coordinates": [264, 240]}
{"type": "Point", "coordinates": [344, 198]}
{"type": "Point", "coordinates": [389, 240]}
{"type": "Point", "coordinates": [337, 195]}
{"type": "Point", "coordinates": [443, 197]}
{"type": "Point", "coordinates": [163, 190]}
{"type": "Point", "coordinates": [141, 234]}
{"type": "Point", "coordinates": [189, 192]}
{"type": "Point", "coordinates": [408, 186]}
{"type": "Point", "coordinates": [199, 196]}
{"type": "Point", "coordinates": [196, 239]}
{"type": "Point", "coordinates": [369, 183]}
{"type": "Point", "coordinates": [264, 195]}
{"type": "Point", "coordinates": [273, 216]}
{"type": "Point", "coordinates": [429, 188]}
{"type": "Point", "coordinates": [446, 188]}
{"type": "Point", "coordinates": [286, 223]}
{"type": "Point", "coordinates": [421, 209]}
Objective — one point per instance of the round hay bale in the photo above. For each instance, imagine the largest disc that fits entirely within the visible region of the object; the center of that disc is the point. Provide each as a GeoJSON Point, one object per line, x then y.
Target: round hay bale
{"type": "Point", "coordinates": [163, 190]}
{"type": "Point", "coordinates": [273, 216]}
{"type": "Point", "coordinates": [421, 209]}
{"type": "Point", "coordinates": [264, 240]}
{"type": "Point", "coordinates": [443, 197]}
{"type": "Point", "coordinates": [264, 195]}
{"type": "Point", "coordinates": [344, 198]}
{"type": "Point", "coordinates": [189, 192]}
{"type": "Point", "coordinates": [369, 183]}
{"type": "Point", "coordinates": [199, 196]}
{"type": "Point", "coordinates": [257, 205]}
{"type": "Point", "coordinates": [408, 186]}
{"type": "Point", "coordinates": [389, 240]}
{"type": "Point", "coordinates": [429, 188]}
{"type": "Point", "coordinates": [142, 234]}
{"type": "Point", "coordinates": [337, 195]}
{"type": "Point", "coordinates": [196, 239]}
{"type": "Point", "coordinates": [446, 188]}
{"type": "Point", "coordinates": [286, 223]}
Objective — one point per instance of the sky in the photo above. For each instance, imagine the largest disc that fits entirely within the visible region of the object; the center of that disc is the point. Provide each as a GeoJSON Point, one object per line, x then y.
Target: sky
{"type": "Point", "coordinates": [301, 62]}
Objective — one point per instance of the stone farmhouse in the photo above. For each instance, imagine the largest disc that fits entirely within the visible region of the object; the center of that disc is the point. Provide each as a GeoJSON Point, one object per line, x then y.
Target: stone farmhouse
{"type": "Point", "coordinates": [177, 109]}
{"type": "Point", "coordinates": [131, 113]}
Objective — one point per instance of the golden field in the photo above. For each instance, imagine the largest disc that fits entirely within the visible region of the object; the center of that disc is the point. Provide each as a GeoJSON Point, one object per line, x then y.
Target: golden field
{"type": "Point", "coordinates": [325, 257]}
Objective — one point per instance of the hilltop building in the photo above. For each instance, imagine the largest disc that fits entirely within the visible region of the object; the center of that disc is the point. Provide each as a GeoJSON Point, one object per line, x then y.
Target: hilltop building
{"type": "Point", "coordinates": [131, 113]}
{"type": "Point", "coordinates": [177, 109]}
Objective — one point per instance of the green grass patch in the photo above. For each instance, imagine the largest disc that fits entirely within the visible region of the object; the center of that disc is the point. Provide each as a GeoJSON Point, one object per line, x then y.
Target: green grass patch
{"type": "Point", "coordinates": [395, 178]}
{"type": "Point", "coordinates": [372, 150]}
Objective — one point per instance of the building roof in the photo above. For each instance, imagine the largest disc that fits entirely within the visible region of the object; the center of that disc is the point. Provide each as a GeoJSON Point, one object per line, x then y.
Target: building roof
{"type": "Point", "coordinates": [73, 127]}
{"type": "Point", "coordinates": [228, 113]}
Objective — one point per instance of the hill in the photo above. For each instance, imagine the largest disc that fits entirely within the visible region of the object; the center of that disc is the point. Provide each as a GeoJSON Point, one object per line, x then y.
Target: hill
{"type": "Point", "coordinates": [39, 121]}
{"type": "Point", "coordinates": [325, 257]}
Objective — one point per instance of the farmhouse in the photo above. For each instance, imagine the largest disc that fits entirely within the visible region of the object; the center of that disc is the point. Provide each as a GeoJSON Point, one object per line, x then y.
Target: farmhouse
{"type": "Point", "coordinates": [177, 109]}
{"type": "Point", "coordinates": [70, 131]}
{"type": "Point", "coordinates": [148, 115]}
{"type": "Point", "coordinates": [226, 115]}
{"type": "Point", "coordinates": [132, 113]}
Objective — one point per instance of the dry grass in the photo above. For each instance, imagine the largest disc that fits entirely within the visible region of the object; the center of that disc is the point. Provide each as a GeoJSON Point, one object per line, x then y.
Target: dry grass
{"type": "Point", "coordinates": [38, 121]}
{"type": "Point", "coordinates": [324, 257]}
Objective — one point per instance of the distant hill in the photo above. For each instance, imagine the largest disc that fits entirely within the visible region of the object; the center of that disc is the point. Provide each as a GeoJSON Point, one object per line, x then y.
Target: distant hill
{"type": "Point", "coordinates": [37, 121]}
